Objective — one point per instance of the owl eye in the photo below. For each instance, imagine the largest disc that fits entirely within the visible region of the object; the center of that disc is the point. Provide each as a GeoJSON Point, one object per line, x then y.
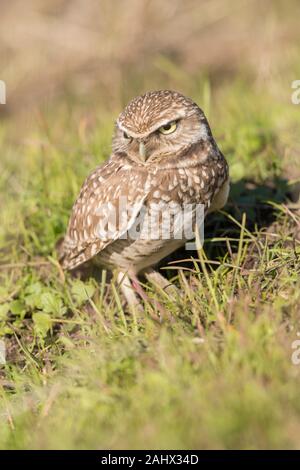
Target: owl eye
{"type": "Point", "coordinates": [126, 136]}
{"type": "Point", "coordinates": [168, 128]}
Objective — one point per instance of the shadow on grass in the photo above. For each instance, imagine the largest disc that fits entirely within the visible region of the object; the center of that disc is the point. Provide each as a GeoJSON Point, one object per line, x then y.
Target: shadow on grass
{"type": "Point", "coordinates": [246, 196]}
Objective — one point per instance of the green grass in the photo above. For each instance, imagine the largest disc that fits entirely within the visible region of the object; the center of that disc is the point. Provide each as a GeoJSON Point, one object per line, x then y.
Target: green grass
{"type": "Point", "coordinates": [84, 372]}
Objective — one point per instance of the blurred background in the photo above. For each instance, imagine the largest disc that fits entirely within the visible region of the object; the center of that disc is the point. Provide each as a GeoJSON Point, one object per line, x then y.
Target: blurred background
{"type": "Point", "coordinates": [109, 49]}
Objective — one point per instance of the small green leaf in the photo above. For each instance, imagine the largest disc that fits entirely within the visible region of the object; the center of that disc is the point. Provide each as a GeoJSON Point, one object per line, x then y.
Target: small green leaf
{"type": "Point", "coordinates": [66, 342]}
{"type": "Point", "coordinates": [42, 323]}
{"type": "Point", "coordinates": [50, 303]}
{"type": "Point", "coordinates": [18, 308]}
{"type": "Point", "coordinates": [33, 295]}
{"type": "Point", "coordinates": [4, 309]}
{"type": "Point", "coordinates": [82, 292]}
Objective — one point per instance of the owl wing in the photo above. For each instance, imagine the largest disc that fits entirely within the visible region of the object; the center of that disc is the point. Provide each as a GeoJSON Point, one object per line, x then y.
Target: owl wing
{"type": "Point", "coordinates": [105, 209]}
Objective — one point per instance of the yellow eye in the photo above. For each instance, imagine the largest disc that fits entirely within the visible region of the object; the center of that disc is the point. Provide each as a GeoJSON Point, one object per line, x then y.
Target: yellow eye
{"type": "Point", "coordinates": [168, 128]}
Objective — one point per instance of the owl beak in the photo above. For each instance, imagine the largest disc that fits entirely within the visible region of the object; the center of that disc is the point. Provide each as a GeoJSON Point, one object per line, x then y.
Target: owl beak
{"type": "Point", "coordinates": [142, 151]}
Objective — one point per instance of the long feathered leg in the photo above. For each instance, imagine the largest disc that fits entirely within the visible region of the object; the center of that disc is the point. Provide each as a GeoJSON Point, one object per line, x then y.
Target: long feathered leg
{"type": "Point", "coordinates": [127, 290]}
{"type": "Point", "coordinates": [160, 282]}
{"type": "Point", "coordinates": [139, 289]}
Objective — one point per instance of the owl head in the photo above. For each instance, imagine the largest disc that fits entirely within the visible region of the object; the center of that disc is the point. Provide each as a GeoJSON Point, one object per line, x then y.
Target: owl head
{"type": "Point", "coordinates": [158, 125]}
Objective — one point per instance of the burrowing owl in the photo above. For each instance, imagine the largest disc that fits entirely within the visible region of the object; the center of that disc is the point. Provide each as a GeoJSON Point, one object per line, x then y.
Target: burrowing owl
{"type": "Point", "coordinates": [163, 153]}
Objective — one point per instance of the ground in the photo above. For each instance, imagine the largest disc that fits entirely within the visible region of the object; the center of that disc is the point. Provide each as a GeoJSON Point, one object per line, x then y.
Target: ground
{"type": "Point", "coordinates": [82, 370]}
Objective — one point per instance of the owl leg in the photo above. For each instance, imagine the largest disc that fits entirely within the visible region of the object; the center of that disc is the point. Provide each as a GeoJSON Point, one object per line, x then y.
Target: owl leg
{"type": "Point", "coordinates": [127, 290]}
{"type": "Point", "coordinates": [139, 289]}
{"type": "Point", "coordinates": [160, 282]}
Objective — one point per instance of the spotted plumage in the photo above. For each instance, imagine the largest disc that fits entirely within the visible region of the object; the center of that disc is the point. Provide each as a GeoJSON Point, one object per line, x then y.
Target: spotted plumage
{"type": "Point", "coordinates": [163, 153]}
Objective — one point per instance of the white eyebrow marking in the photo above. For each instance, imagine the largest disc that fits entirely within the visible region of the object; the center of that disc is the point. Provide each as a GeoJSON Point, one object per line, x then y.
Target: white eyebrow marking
{"type": "Point", "coordinates": [154, 128]}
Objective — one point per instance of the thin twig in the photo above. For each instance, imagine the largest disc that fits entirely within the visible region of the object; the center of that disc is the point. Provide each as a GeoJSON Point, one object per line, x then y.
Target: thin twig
{"type": "Point", "coordinates": [23, 265]}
